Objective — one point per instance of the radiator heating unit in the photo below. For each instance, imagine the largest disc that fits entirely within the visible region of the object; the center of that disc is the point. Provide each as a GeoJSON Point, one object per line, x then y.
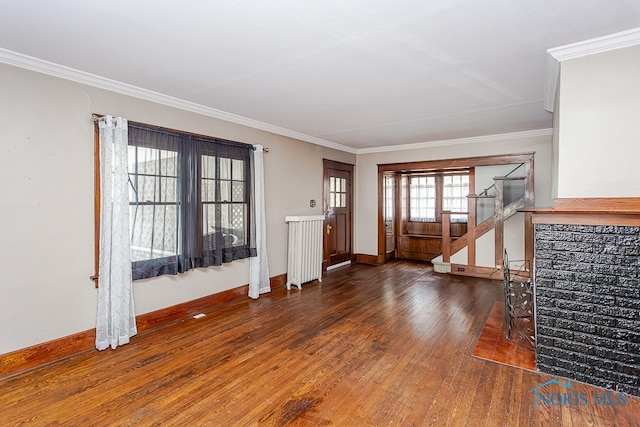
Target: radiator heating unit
{"type": "Point", "coordinates": [304, 261]}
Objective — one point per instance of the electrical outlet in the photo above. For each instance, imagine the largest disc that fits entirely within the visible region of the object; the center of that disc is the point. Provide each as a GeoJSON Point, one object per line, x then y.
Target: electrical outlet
{"type": "Point", "coordinates": [312, 203]}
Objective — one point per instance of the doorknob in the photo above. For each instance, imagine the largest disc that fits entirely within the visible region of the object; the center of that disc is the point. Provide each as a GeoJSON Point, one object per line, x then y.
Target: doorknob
{"type": "Point", "coordinates": [329, 229]}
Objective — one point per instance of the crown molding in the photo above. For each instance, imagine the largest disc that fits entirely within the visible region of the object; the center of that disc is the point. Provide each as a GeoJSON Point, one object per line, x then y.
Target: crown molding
{"type": "Point", "coordinates": [551, 77]}
{"type": "Point", "coordinates": [584, 48]}
{"type": "Point", "coordinates": [459, 141]}
{"type": "Point", "coordinates": [56, 70]}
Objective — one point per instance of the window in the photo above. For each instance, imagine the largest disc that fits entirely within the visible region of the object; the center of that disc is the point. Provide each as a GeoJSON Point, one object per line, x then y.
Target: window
{"type": "Point", "coordinates": [337, 192]}
{"type": "Point", "coordinates": [190, 201]}
{"type": "Point", "coordinates": [425, 196]}
{"type": "Point", "coordinates": [422, 198]}
{"type": "Point", "coordinates": [153, 202]}
{"type": "Point", "coordinates": [389, 183]}
{"type": "Point", "coordinates": [455, 189]}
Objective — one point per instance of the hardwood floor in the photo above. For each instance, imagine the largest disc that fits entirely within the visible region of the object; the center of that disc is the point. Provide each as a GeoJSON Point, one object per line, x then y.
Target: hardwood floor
{"type": "Point", "coordinates": [370, 345]}
{"type": "Point", "coordinates": [494, 345]}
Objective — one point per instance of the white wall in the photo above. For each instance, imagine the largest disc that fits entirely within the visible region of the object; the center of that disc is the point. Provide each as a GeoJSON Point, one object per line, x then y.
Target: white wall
{"type": "Point", "coordinates": [484, 180]}
{"type": "Point", "coordinates": [46, 204]}
{"type": "Point", "coordinates": [556, 148]}
{"type": "Point", "coordinates": [486, 244]}
{"type": "Point", "coordinates": [366, 233]}
{"type": "Point", "coordinates": [599, 125]}
{"type": "Point", "coordinates": [46, 201]}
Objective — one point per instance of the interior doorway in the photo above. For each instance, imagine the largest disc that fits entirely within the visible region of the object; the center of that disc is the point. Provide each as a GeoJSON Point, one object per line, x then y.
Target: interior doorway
{"type": "Point", "coordinates": [437, 208]}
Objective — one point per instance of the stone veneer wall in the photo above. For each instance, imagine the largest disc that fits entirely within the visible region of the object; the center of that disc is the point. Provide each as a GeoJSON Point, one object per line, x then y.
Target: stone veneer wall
{"type": "Point", "coordinates": [588, 304]}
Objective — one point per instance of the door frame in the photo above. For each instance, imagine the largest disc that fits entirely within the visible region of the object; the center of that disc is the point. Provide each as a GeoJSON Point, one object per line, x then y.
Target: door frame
{"type": "Point", "coordinates": [388, 255]}
{"type": "Point", "coordinates": [348, 167]}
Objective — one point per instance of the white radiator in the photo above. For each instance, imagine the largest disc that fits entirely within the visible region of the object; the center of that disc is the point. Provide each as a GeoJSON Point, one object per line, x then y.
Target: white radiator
{"type": "Point", "coordinates": [305, 249]}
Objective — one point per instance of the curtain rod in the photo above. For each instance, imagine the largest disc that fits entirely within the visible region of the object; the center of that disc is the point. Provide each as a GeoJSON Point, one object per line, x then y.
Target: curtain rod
{"type": "Point", "coordinates": [96, 118]}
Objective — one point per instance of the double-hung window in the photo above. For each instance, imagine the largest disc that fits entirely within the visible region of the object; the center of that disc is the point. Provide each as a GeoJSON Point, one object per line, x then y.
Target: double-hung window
{"type": "Point", "coordinates": [190, 201]}
{"type": "Point", "coordinates": [455, 189]}
{"type": "Point", "coordinates": [422, 198]}
{"type": "Point", "coordinates": [153, 194]}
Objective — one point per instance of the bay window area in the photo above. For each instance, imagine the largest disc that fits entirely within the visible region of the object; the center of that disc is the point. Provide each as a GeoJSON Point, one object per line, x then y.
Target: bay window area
{"type": "Point", "coordinates": [423, 197]}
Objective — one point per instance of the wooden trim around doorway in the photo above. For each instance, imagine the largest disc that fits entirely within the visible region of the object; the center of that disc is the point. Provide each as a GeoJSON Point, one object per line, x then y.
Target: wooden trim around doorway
{"type": "Point", "coordinates": [448, 165]}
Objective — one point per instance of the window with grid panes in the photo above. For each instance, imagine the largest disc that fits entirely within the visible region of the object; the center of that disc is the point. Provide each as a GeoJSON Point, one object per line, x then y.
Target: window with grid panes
{"type": "Point", "coordinates": [153, 202]}
{"type": "Point", "coordinates": [190, 201]}
{"type": "Point", "coordinates": [455, 189]}
{"type": "Point", "coordinates": [422, 198]}
{"type": "Point", "coordinates": [425, 194]}
{"type": "Point", "coordinates": [224, 199]}
{"type": "Point", "coordinates": [337, 192]}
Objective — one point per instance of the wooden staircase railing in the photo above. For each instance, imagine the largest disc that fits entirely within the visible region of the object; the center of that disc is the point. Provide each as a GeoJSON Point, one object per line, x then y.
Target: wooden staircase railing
{"type": "Point", "coordinates": [484, 227]}
{"type": "Point", "coordinates": [496, 222]}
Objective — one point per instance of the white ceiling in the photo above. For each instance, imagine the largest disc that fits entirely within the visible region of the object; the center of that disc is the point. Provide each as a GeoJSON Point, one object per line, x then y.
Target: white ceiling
{"type": "Point", "coordinates": [360, 73]}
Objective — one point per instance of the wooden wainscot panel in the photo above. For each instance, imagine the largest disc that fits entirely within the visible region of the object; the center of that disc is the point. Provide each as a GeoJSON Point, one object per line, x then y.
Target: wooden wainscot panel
{"type": "Point", "coordinates": [458, 229]}
{"type": "Point", "coordinates": [422, 228]}
{"type": "Point", "coordinates": [423, 240]}
{"type": "Point", "coordinates": [422, 248]}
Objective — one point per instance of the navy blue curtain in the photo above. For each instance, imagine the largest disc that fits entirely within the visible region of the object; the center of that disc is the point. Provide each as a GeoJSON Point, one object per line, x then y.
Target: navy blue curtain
{"type": "Point", "coordinates": [190, 201]}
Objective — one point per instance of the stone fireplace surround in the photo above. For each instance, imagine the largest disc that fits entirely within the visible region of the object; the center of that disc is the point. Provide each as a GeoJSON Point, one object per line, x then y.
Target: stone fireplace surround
{"type": "Point", "coordinates": [587, 279]}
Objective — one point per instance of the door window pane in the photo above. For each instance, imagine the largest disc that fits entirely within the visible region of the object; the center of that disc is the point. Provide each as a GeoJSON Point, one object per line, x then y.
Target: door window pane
{"type": "Point", "coordinates": [337, 192]}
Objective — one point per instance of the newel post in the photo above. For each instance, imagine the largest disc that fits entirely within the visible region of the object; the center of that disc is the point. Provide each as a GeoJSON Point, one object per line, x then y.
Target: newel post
{"type": "Point", "coordinates": [446, 236]}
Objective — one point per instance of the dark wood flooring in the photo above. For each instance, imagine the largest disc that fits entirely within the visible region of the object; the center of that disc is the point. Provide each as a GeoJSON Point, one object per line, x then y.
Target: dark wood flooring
{"type": "Point", "coordinates": [493, 343]}
{"type": "Point", "coordinates": [369, 346]}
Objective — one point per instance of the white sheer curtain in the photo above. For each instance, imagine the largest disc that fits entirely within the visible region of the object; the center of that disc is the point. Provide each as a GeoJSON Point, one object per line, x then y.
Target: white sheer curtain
{"type": "Point", "coordinates": [259, 265]}
{"type": "Point", "coordinates": [116, 321]}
